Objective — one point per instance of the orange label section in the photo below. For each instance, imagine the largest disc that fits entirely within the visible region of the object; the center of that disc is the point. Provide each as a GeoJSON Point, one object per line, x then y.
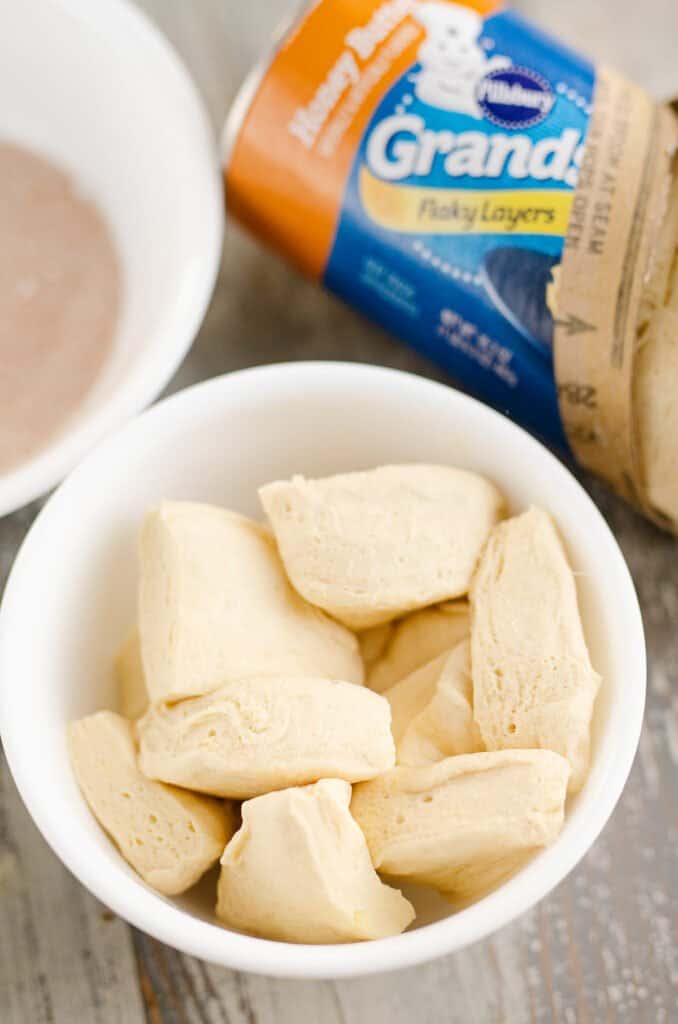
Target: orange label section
{"type": "Point", "coordinates": [294, 150]}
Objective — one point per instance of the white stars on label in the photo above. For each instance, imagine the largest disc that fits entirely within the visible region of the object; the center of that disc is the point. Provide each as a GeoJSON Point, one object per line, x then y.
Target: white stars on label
{"type": "Point", "coordinates": [572, 96]}
{"type": "Point", "coordinates": [444, 266]}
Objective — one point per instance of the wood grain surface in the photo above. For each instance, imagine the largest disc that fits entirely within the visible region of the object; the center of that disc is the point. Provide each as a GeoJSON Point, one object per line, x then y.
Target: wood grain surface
{"type": "Point", "coordinates": [602, 947]}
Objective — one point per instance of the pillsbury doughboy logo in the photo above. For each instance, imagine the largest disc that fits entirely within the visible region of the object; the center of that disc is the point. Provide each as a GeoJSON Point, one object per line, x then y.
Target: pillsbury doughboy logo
{"type": "Point", "coordinates": [515, 97]}
{"type": "Point", "coordinates": [452, 61]}
{"type": "Point", "coordinates": [457, 74]}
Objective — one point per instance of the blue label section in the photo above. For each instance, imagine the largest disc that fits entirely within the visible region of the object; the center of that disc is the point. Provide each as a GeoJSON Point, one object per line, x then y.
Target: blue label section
{"type": "Point", "coordinates": [460, 252]}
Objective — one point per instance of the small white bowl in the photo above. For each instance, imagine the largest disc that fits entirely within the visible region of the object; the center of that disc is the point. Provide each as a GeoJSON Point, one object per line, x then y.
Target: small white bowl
{"type": "Point", "coordinates": [70, 600]}
{"type": "Point", "coordinates": [96, 88]}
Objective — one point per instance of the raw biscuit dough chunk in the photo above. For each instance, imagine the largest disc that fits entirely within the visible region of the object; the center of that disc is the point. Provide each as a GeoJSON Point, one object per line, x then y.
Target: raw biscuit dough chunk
{"type": "Point", "coordinates": [659, 281]}
{"type": "Point", "coordinates": [169, 836]}
{"type": "Point", "coordinates": [373, 643]}
{"type": "Point", "coordinates": [672, 296]}
{"type": "Point", "coordinates": [432, 710]}
{"type": "Point", "coordinates": [215, 604]}
{"type": "Point", "coordinates": [464, 824]}
{"type": "Point", "coordinates": [368, 547]}
{"type": "Point", "coordinates": [256, 735]}
{"type": "Point", "coordinates": [656, 401]}
{"type": "Point", "coordinates": [395, 650]}
{"type": "Point", "coordinates": [129, 670]}
{"type": "Point", "coordinates": [533, 683]}
{"type": "Point", "coordinates": [656, 367]}
{"type": "Point", "coordinates": [299, 870]}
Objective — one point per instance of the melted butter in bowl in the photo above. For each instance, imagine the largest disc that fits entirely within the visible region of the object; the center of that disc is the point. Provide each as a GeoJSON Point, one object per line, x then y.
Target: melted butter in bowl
{"type": "Point", "coordinates": [60, 297]}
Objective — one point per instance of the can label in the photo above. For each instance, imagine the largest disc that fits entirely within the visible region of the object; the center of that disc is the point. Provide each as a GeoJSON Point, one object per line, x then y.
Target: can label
{"type": "Point", "coordinates": [483, 192]}
{"type": "Point", "coordinates": [458, 202]}
{"type": "Point", "coordinates": [420, 158]}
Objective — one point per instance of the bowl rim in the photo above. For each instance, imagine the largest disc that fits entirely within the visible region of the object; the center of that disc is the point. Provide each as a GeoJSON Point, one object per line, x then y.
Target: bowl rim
{"type": "Point", "coordinates": [39, 473]}
{"type": "Point", "coordinates": [176, 927]}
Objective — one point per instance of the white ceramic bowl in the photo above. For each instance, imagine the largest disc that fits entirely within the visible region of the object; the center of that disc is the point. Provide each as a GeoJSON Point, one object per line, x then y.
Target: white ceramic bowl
{"type": "Point", "coordinates": [70, 601]}
{"type": "Point", "coordinates": [96, 88]}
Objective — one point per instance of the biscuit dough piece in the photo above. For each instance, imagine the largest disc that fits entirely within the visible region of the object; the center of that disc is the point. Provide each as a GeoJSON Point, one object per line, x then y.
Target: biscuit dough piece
{"type": "Point", "coordinates": [672, 297]}
{"type": "Point", "coordinates": [368, 547]}
{"type": "Point", "coordinates": [656, 367]}
{"type": "Point", "coordinates": [656, 399]}
{"type": "Point", "coordinates": [373, 644]}
{"type": "Point", "coordinates": [659, 281]}
{"type": "Point", "coordinates": [129, 671]}
{"type": "Point", "coordinates": [533, 683]}
{"type": "Point", "coordinates": [169, 836]}
{"type": "Point", "coordinates": [215, 604]}
{"type": "Point", "coordinates": [299, 870]}
{"type": "Point", "coordinates": [255, 735]}
{"type": "Point", "coordinates": [396, 649]}
{"type": "Point", "coordinates": [464, 824]}
{"type": "Point", "coordinates": [432, 710]}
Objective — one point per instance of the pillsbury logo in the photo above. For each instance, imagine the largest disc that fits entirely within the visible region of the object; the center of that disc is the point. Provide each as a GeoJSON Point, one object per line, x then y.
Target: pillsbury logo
{"type": "Point", "coordinates": [515, 97]}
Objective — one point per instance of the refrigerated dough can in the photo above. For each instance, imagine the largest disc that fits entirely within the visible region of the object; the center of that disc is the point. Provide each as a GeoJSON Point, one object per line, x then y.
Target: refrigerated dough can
{"type": "Point", "coordinates": [493, 198]}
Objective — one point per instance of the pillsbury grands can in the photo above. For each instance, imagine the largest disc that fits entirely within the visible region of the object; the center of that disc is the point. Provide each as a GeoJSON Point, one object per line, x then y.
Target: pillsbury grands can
{"type": "Point", "coordinates": [475, 187]}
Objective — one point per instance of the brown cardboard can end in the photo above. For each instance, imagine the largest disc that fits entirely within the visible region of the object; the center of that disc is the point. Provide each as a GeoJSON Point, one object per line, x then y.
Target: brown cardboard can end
{"type": "Point", "coordinates": [611, 281]}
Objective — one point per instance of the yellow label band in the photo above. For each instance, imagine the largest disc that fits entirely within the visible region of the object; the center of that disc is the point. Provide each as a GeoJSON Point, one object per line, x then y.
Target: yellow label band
{"type": "Point", "coordinates": [444, 211]}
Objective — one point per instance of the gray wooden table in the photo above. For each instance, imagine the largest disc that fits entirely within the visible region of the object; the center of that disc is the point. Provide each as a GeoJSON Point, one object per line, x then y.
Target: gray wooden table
{"type": "Point", "coordinates": [603, 946]}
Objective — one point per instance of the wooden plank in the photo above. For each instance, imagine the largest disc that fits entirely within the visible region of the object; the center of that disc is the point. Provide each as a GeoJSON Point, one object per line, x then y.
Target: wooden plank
{"type": "Point", "coordinates": [64, 958]}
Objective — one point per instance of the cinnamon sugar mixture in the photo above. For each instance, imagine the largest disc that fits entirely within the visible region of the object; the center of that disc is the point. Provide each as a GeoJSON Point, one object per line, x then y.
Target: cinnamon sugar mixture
{"type": "Point", "coordinates": [59, 300]}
